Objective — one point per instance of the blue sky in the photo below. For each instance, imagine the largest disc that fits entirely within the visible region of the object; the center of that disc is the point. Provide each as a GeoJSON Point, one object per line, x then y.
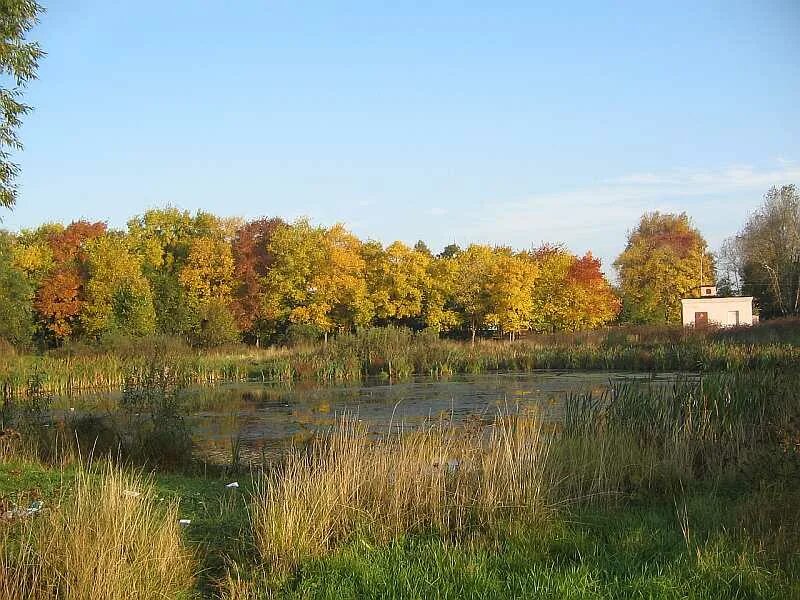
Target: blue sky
{"type": "Point", "coordinates": [507, 122]}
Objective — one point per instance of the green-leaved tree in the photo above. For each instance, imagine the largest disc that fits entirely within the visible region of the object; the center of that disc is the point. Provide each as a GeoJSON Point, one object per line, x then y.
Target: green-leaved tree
{"type": "Point", "coordinates": [19, 60]}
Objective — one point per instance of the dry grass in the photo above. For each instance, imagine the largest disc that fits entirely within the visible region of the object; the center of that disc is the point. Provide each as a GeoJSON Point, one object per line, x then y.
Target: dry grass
{"type": "Point", "coordinates": [109, 538]}
{"type": "Point", "coordinates": [442, 478]}
{"type": "Point", "coordinates": [245, 586]}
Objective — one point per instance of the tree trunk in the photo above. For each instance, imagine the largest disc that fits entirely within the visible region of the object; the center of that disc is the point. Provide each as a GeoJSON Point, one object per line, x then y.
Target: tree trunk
{"type": "Point", "coordinates": [473, 334]}
{"type": "Point", "coordinates": [326, 338]}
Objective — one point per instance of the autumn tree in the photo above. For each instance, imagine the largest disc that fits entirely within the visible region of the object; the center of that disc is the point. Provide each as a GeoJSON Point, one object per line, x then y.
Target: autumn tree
{"type": "Point", "coordinates": [252, 260]}
{"type": "Point", "coordinates": [32, 251]}
{"type": "Point", "coordinates": [571, 293]}
{"type": "Point", "coordinates": [16, 296]}
{"type": "Point", "coordinates": [60, 296]}
{"type": "Point", "coordinates": [439, 308]}
{"type": "Point", "coordinates": [118, 298]}
{"type": "Point", "coordinates": [163, 238]}
{"type": "Point", "coordinates": [317, 278]}
{"type": "Point", "coordinates": [550, 295]}
{"type": "Point", "coordinates": [665, 259]}
{"type": "Point", "coordinates": [19, 60]}
{"type": "Point", "coordinates": [299, 255]}
{"type": "Point", "coordinates": [472, 290]}
{"type": "Point", "coordinates": [396, 278]}
{"type": "Point", "coordinates": [511, 284]}
{"type": "Point", "coordinates": [207, 280]}
{"type": "Point", "coordinates": [592, 301]}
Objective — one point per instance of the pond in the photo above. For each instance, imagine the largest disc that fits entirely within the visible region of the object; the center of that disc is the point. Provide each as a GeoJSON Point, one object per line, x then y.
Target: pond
{"type": "Point", "coordinates": [268, 418]}
{"type": "Point", "coordinates": [265, 419]}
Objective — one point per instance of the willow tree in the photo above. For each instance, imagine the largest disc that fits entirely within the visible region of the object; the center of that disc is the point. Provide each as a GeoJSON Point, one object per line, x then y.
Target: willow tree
{"type": "Point", "coordinates": [767, 253]}
{"type": "Point", "coordinates": [665, 259]}
{"type": "Point", "coordinates": [19, 60]}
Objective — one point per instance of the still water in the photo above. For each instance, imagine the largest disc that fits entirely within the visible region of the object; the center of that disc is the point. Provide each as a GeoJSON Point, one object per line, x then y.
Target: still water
{"type": "Point", "coordinates": [263, 420]}
{"type": "Point", "coordinates": [266, 419]}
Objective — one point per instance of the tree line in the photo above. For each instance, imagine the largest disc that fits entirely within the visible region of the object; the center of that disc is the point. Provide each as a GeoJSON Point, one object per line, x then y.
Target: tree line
{"type": "Point", "coordinates": [217, 280]}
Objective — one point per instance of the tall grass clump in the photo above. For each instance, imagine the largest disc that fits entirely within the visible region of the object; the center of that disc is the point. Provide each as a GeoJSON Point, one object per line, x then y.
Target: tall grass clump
{"type": "Point", "coordinates": [109, 537]}
{"type": "Point", "coordinates": [441, 478]}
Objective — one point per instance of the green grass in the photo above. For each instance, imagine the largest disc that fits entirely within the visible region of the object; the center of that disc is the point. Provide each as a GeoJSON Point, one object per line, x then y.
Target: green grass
{"type": "Point", "coordinates": [632, 552]}
{"type": "Point", "coordinates": [637, 549]}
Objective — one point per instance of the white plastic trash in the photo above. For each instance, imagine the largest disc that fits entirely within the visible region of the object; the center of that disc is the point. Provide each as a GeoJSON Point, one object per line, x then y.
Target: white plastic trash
{"type": "Point", "coordinates": [185, 522]}
{"type": "Point", "coordinates": [234, 484]}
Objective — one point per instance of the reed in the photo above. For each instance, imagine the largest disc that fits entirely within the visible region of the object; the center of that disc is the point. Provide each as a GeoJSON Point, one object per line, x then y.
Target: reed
{"type": "Point", "coordinates": [396, 353]}
{"type": "Point", "coordinates": [445, 479]}
{"type": "Point", "coordinates": [108, 538]}
{"type": "Point", "coordinates": [638, 437]}
{"type": "Point", "coordinates": [646, 435]}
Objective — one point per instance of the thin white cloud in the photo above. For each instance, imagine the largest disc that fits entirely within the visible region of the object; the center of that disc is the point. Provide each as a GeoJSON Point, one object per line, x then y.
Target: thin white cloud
{"type": "Point", "coordinates": [693, 182]}
{"type": "Point", "coordinates": [436, 211]}
{"type": "Point", "coordinates": [598, 216]}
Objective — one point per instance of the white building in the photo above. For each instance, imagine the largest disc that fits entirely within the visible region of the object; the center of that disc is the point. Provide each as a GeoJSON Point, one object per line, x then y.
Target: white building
{"type": "Point", "coordinates": [710, 309]}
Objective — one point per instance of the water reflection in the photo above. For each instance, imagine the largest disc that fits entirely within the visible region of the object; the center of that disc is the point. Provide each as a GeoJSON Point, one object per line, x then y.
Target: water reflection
{"type": "Point", "coordinates": [267, 419]}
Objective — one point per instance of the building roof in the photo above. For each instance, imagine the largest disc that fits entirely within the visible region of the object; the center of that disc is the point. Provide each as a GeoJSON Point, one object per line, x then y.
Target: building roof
{"type": "Point", "coordinates": [719, 299]}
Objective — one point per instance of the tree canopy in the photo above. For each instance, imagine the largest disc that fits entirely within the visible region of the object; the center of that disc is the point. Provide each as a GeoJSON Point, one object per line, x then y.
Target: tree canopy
{"type": "Point", "coordinates": [665, 259]}
{"type": "Point", "coordinates": [213, 281]}
{"type": "Point", "coordinates": [763, 260]}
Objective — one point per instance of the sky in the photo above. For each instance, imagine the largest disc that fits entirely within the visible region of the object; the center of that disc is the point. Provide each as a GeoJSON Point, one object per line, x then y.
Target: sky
{"type": "Point", "coordinates": [509, 123]}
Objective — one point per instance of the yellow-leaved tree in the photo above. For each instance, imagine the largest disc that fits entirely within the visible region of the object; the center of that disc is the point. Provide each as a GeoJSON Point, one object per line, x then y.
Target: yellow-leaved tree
{"type": "Point", "coordinates": [473, 285]}
{"type": "Point", "coordinates": [396, 278]}
{"type": "Point", "coordinates": [551, 294]}
{"type": "Point", "coordinates": [207, 280]}
{"type": "Point", "coordinates": [438, 302]}
{"type": "Point", "coordinates": [317, 278]}
{"type": "Point", "coordinates": [665, 259]}
{"type": "Point", "coordinates": [511, 286]}
{"type": "Point", "coordinates": [118, 298]}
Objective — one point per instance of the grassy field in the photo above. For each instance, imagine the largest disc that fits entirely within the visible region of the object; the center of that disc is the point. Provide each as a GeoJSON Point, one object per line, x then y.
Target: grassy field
{"type": "Point", "coordinates": [690, 490]}
{"type": "Point", "coordinates": [713, 542]}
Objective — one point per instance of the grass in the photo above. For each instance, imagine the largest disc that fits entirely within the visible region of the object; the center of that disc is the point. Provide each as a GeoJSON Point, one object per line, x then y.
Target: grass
{"type": "Point", "coordinates": [682, 491]}
{"type": "Point", "coordinates": [108, 538]}
{"type": "Point", "coordinates": [743, 542]}
{"type": "Point", "coordinates": [443, 479]}
{"type": "Point", "coordinates": [638, 551]}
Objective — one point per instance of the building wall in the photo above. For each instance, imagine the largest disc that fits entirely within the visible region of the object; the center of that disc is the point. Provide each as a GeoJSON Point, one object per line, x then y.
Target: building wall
{"type": "Point", "coordinates": [721, 311]}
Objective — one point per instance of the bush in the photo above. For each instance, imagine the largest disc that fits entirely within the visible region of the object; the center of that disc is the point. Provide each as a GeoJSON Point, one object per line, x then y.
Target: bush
{"type": "Point", "coordinates": [217, 326]}
{"type": "Point", "coordinates": [302, 335]}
